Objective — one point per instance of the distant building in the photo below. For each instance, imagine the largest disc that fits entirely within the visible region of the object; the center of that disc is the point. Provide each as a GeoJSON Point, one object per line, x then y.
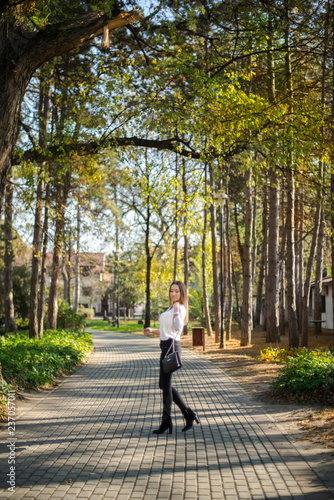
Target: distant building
{"type": "Point", "coordinates": [95, 281]}
{"type": "Point", "coordinates": [327, 305]}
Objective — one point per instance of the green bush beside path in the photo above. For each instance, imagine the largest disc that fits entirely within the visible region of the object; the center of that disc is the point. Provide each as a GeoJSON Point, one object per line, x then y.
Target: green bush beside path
{"type": "Point", "coordinates": [35, 363]}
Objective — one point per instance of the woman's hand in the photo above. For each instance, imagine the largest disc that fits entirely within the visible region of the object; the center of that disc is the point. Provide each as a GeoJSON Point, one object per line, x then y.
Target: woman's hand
{"type": "Point", "coordinates": [147, 331]}
{"type": "Point", "coordinates": [176, 307]}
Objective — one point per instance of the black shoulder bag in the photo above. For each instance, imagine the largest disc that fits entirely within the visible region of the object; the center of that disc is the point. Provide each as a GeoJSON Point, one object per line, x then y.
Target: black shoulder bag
{"type": "Point", "coordinates": [172, 361]}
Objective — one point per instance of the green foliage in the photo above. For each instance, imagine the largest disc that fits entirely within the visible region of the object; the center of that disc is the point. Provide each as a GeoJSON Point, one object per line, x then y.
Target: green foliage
{"type": "Point", "coordinates": [32, 363]}
{"type": "Point", "coordinates": [86, 312]}
{"type": "Point", "coordinates": [21, 290]}
{"type": "Point", "coordinates": [308, 374]}
{"type": "Point", "coordinates": [68, 318]}
{"type": "Point", "coordinates": [4, 388]}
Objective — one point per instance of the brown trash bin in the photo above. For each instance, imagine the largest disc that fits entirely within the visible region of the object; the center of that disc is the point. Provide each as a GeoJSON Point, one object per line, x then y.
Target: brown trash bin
{"type": "Point", "coordinates": [198, 336]}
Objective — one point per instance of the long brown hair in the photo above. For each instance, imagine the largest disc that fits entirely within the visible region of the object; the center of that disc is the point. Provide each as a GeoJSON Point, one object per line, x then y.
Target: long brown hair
{"type": "Point", "coordinates": [183, 297]}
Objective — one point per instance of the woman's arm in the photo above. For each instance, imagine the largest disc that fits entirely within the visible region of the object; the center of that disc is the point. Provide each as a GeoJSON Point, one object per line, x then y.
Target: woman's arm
{"type": "Point", "coordinates": [178, 318]}
{"type": "Point", "coordinates": [148, 331]}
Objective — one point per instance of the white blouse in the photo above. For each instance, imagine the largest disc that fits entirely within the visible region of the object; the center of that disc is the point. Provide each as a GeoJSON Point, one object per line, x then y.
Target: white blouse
{"type": "Point", "coordinates": [171, 326]}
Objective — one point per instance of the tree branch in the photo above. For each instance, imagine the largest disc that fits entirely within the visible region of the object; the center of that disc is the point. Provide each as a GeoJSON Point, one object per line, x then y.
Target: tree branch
{"type": "Point", "coordinates": [60, 38]}
{"type": "Point", "coordinates": [94, 147]}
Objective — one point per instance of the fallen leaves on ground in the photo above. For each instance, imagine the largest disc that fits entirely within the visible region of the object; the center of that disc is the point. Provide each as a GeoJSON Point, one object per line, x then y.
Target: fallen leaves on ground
{"type": "Point", "coordinates": [255, 377]}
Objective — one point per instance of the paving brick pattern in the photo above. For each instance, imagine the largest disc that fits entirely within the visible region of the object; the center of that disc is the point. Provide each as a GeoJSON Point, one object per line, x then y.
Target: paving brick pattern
{"type": "Point", "coordinates": [91, 437]}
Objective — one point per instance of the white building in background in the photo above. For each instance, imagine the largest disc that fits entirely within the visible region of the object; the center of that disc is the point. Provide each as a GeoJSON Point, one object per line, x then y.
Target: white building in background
{"type": "Point", "coordinates": [327, 304]}
{"type": "Point", "coordinates": [95, 280]}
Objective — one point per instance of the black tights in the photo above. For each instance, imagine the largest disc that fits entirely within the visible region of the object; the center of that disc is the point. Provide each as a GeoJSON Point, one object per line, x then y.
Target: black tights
{"type": "Point", "coordinates": [169, 394]}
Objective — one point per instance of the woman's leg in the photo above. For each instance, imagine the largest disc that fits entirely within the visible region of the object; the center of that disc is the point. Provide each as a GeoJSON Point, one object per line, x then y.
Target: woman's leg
{"type": "Point", "coordinates": [169, 394]}
{"type": "Point", "coordinates": [176, 396]}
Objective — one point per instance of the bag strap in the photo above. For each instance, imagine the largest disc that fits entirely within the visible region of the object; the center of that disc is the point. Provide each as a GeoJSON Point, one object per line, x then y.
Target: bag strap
{"type": "Point", "coordinates": [172, 344]}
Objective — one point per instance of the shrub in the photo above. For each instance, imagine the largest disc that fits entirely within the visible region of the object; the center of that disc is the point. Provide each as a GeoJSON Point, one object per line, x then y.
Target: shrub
{"type": "Point", "coordinates": [87, 313]}
{"type": "Point", "coordinates": [69, 318]}
{"type": "Point", "coordinates": [31, 363]}
{"type": "Point", "coordinates": [307, 375]}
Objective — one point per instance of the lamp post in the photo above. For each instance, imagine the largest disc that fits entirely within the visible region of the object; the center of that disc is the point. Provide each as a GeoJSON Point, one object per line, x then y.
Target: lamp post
{"type": "Point", "coordinates": [221, 197]}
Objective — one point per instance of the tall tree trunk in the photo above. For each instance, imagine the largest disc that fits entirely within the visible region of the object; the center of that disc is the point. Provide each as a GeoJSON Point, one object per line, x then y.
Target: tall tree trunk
{"type": "Point", "coordinates": [9, 256]}
{"type": "Point", "coordinates": [41, 298]}
{"type": "Point", "coordinates": [176, 242]}
{"type": "Point", "coordinates": [307, 284]}
{"type": "Point", "coordinates": [273, 240]}
{"type": "Point", "coordinates": [236, 293]}
{"type": "Point", "coordinates": [332, 174]}
{"type": "Point", "coordinates": [273, 262]}
{"type": "Point", "coordinates": [247, 310]}
{"type": "Point", "coordinates": [77, 262]}
{"type": "Point", "coordinates": [44, 104]}
{"type": "Point", "coordinates": [65, 280]}
{"type": "Point", "coordinates": [254, 250]}
{"type": "Point", "coordinates": [259, 293]}
{"type": "Point", "coordinates": [282, 271]}
{"type": "Point", "coordinates": [148, 266]}
{"type": "Point", "coordinates": [222, 276]}
{"type": "Point", "coordinates": [205, 288]}
{"type": "Point", "coordinates": [229, 275]}
{"type": "Point", "coordinates": [321, 236]}
{"type": "Point", "coordinates": [319, 270]}
{"type": "Point", "coordinates": [290, 220]}
{"type": "Point", "coordinates": [300, 259]}
{"type": "Point", "coordinates": [36, 256]}
{"type": "Point", "coordinates": [290, 262]}
{"type": "Point", "coordinates": [61, 200]}
{"type": "Point", "coordinates": [265, 257]}
{"type": "Point", "coordinates": [185, 234]}
{"type": "Point", "coordinates": [258, 307]}
{"type": "Point", "coordinates": [216, 294]}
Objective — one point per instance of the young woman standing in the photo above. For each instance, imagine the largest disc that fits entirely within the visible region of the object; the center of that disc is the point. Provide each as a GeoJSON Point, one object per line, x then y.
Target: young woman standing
{"type": "Point", "coordinates": [171, 327]}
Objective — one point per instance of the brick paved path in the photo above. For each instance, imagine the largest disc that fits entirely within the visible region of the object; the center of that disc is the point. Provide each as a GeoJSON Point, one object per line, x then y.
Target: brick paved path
{"type": "Point", "coordinates": [91, 437]}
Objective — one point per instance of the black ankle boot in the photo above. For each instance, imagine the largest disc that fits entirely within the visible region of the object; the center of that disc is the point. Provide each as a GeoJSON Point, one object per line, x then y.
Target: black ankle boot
{"type": "Point", "coordinates": [190, 416]}
{"type": "Point", "coordinates": [165, 424]}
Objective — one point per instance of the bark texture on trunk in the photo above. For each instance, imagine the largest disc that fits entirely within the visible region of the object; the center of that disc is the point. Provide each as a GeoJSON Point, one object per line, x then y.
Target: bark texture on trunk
{"type": "Point", "coordinates": [273, 262]}
{"type": "Point", "coordinates": [9, 257]}
{"type": "Point", "coordinates": [247, 312]}
{"type": "Point", "coordinates": [62, 192]}
{"type": "Point", "coordinates": [41, 296]}
{"type": "Point", "coordinates": [36, 257]}
{"type": "Point", "coordinates": [77, 262]}
{"type": "Point", "coordinates": [205, 288]}
{"type": "Point", "coordinates": [176, 241]}
{"type": "Point", "coordinates": [44, 101]}
{"type": "Point", "coordinates": [300, 259]}
{"type": "Point", "coordinates": [148, 266]}
{"type": "Point", "coordinates": [229, 276]}
{"type": "Point", "coordinates": [307, 284]}
{"type": "Point", "coordinates": [290, 205]}
{"type": "Point", "coordinates": [216, 294]}
{"type": "Point", "coordinates": [291, 262]}
{"type": "Point", "coordinates": [265, 258]}
{"type": "Point", "coordinates": [185, 235]}
{"type": "Point", "coordinates": [319, 270]}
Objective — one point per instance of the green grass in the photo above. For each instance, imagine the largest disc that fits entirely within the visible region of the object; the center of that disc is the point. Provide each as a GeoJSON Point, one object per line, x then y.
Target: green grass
{"type": "Point", "coordinates": [124, 326]}
{"type": "Point", "coordinates": [130, 326]}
